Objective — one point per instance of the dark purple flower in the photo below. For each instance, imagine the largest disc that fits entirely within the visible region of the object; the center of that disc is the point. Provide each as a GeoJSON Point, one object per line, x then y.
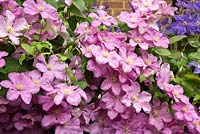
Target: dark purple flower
{"type": "Point", "coordinates": [185, 24]}
{"type": "Point", "coordinates": [196, 67]}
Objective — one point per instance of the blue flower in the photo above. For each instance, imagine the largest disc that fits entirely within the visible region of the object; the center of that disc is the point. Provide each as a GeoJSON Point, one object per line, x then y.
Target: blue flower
{"type": "Point", "coordinates": [185, 24]}
{"type": "Point", "coordinates": [196, 67]}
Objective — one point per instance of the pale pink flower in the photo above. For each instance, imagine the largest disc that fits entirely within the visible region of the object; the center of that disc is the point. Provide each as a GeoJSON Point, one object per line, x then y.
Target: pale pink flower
{"type": "Point", "coordinates": [159, 114]}
{"type": "Point", "coordinates": [56, 115]}
{"type": "Point", "coordinates": [70, 126]}
{"type": "Point", "coordinates": [138, 39]}
{"type": "Point", "coordinates": [11, 27]}
{"type": "Point", "coordinates": [133, 96]}
{"type": "Point", "coordinates": [112, 82]}
{"type": "Point", "coordinates": [113, 104]}
{"type": "Point", "coordinates": [73, 94]}
{"type": "Point", "coordinates": [104, 56]}
{"type": "Point", "coordinates": [2, 61]}
{"type": "Point", "coordinates": [98, 70]}
{"type": "Point", "coordinates": [176, 92]}
{"type": "Point", "coordinates": [145, 5]}
{"type": "Point", "coordinates": [52, 69]}
{"type": "Point", "coordinates": [166, 9]}
{"type": "Point", "coordinates": [157, 38]}
{"type": "Point", "coordinates": [133, 19]}
{"type": "Point", "coordinates": [19, 85]}
{"type": "Point", "coordinates": [183, 111]}
{"type": "Point", "coordinates": [130, 61]}
{"type": "Point", "coordinates": [101, 17]}
{"type": "Point", "coordinates": [47, 11]}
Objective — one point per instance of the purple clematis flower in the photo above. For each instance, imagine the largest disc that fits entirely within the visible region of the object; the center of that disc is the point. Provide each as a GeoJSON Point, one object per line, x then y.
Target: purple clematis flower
{"type": "Point", "coordinates": [196, 67]}
{"type": "Point", "coordinates": [185, 24]}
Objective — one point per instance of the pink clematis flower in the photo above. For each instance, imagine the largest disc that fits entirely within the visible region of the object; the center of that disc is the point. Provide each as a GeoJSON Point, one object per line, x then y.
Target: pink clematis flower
{"type": "Point", "coordinates": [145, 5]}
{"type": "Point", "coordinates": [102, 18]}
{"type": "Point", "coordinates": [104, 56]}
{"type": "Point", "coordinates": [159, 114]}
{"type": "Point", "coordinates": [113, 104]}
{"type": "Point", "coordinates": [130, 61]}
{"type": "Point", "coordinates": [11, 27]}
{"type": "Point", "coordinates": [72, 94]}
{"type": "Point", "coordinates": [46, 10]}
{"type": "Point", "coordinates": [54, 68]}
{"type": "Point", "coordinates": [112, 82]}
{"type": "Point", "coordinates": [163, 76]}
{"type": "Point", "coordinates": [71, 126]}
{"type": "Point", "coordinates": [2, 61]}
{"type": "Point", "coordinates": [13, 7]}
{"type": "Point", "coordinates": [184, 111]}
{"type": "Point", "coordinates": [132, 19]}
{"type": "Point", "coordinates": [176, 92]}
{"type": "Point", "coordinates": [157, 38]}
{"type": "Point", "coordinates": [134, 97]}
{"type": "Point", "coordinates": [98, 70]}
{"type": "Point", "coordinates": [23, 121]}
{"type": "Point", "coordinates": [57, 115]}
{"type": "Point", "coordinates": [19, 85]}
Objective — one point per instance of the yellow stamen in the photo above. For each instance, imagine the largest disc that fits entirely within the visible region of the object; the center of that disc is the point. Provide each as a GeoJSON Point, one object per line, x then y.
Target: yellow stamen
{"type": "Point", "coordinates": [128, 61]}
{"type": "Point", "coordinates": [67, 91]}
{"type": "Point", "coordinates": [20, 87]}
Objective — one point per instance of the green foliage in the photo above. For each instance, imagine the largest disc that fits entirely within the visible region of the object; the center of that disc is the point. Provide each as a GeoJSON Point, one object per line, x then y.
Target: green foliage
{"type": "Point", "coordinates": [175, 39]}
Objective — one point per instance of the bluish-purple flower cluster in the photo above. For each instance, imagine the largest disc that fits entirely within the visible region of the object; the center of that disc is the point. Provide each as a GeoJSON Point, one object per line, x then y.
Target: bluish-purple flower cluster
{"type": "Point", "coordinates": [187, 22]}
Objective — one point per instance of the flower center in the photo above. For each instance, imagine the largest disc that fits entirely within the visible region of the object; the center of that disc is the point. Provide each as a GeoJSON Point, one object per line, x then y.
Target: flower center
{"type": "Point", "coordinates": [175, 92]}
{"type": "Point", "coordinates": [67, 91]}
{"type": "Point", "coordinates": [185, 23]}
{"type": "Point", "coordinates": [100, 121]}
{"type": "Point", "coordinates": [133, 20]}
{"type": "Point", "coordinates": [155, 113]}
{"type": "Point", "coordinates": [57, 111]}
{"type": "Point", "coordinates": [20, 87]}
{"type": "Point", "coordinates": [50, 67]}
{"type": "Point", "coordinates": [103, 18]}
{"type": "Point", "coordinates": [113, 79]}
{"type": "Point", "coordinates": [138, 40]}
{"type": "Point", "coordinates": [40, 8]}
{"type": "Point", "coordinates": [10, 7]}
{"type": "Point", "coordinates": [134, 98]}
{"type": "Point", "coordinates": [156, 39]}
{"type": "Point", "coordinates": [196, 123]}
{"type": "Point", "coordinates": [126, 128]}
{"type": "Point", "coordinates": [106, 54]}
{"type": "Point", "coordinates": [184, 109]}
{"type": "Point", "coordinates": [36, 82]}
{"type": "Point", "coordinates": [10, 29]}
{"type": "Point", "coordinates": [128, 61]}
{"type": "Point", "coordinates": [147, 61]}
{"type": "Point", "coordinates": [147, 4]}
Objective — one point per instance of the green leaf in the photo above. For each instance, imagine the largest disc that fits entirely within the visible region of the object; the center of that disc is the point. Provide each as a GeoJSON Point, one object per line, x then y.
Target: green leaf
{"type": "Point", "coordinates": [194, 41]}
{"type": "Point", "coordinates": [194, 56]}
{"type": "Point", "coordinates": [192, 77]}
{"type": "Point", "coordinates": [81, 84]}
{"type": "Point", "coordinates": [196, 97]}
{"type": "Point", "coordinates": [3, 92]}
{"type": "Point", "coordinates": [142, 78]}
{"type": "Point", "coordinates": [177, 38]}
{"type": "Point", "coordinates": [12, 65]}
{"type": "Point", "coordinates": [29, 49]}
{"type": "Point", "coordinates": [53, 3]}
{"type": "Point", "coordinates": [80, 4]}
{"type": "Point", "coordinates": [22, 58]}
{"type": "Point", "coordinates": [162, 51]}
